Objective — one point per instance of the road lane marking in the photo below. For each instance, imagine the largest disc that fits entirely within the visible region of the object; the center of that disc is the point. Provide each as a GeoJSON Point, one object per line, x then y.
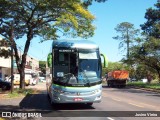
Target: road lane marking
{"type": "Point", "coordinates": [135, 105]}
{"type": "Point", "coordinates": [116, 99]}
{"type": "Point", "coordinates": [140, 104]}
{"type": "Point", "coordinates": [148, 105]}
{"type": "Point", "coordinates": [110, 118]}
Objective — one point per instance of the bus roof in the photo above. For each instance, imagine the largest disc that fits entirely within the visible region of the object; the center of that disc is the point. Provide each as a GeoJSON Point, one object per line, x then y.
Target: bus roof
{"type": "Point", "coordinates": [79, 44]}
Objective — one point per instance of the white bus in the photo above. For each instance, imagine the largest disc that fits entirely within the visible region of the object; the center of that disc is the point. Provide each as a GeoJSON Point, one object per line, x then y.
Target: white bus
{"type": "Point", "coordinates": [75, 69]}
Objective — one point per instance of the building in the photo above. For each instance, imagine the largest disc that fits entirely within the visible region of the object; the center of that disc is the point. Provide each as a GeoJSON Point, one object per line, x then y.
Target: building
{"type": "Point", "coordinates": [32, 65]}
{"type": "Point", "coordinates": [5, 67]}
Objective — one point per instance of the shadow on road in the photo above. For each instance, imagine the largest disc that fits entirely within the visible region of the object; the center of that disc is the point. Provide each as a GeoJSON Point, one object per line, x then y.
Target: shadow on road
{"type": "Point", "coordinates": [156, 95]}
{"type": "Point", "coordinates": [41, 102]}
{"type": "Point", "coordinates": [35, 101]}
{"type": "Point", "coordinates": [73, 106]}
{"type": "Point", "coordinates": [8, 108]}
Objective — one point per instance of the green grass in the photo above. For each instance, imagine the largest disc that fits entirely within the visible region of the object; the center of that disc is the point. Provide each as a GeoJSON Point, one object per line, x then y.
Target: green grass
{"type": "Point", "coordinates": [144, 85]}
{"type": "Point", "coordinates": [19, 93]}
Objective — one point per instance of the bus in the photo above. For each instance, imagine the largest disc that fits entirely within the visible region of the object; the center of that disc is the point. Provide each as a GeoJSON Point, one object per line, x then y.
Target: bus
{"type": "Point", "coordinates": [74, 72]}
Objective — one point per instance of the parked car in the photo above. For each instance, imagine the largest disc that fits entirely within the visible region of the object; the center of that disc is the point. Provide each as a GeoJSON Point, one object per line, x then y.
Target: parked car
{"type": "Point", "coordinates": [28, 79]}
{"type": "Point", "coordinates": [35, 79]}
{"type": "Point", "coordinates": [4, 85]}
{"type": "Point", "coordinates": [132, 79]}
{"type": "Point", "coordinates": [42, 79]}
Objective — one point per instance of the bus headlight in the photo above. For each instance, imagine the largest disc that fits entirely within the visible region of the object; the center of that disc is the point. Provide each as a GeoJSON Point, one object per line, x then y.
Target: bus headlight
{"type": "Point", "coordinates": [60, 74]}
{"type": "Point", "coordinates": [96, 91]}
{"type": "Point", "coordinates": [58, 91]}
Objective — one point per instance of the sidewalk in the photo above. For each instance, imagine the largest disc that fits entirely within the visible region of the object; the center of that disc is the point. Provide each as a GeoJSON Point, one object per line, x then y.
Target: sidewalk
{"type": "Point", "coordinates": [40, 88]}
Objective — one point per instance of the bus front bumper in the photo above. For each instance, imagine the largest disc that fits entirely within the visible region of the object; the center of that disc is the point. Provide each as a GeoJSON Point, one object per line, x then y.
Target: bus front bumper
{"type": "Point", "coordinates": [64, 98]}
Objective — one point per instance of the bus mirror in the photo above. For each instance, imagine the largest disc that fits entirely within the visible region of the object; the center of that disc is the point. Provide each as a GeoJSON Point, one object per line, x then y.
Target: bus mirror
{"type": "Point", "coordinates": [49, 60]}
{"type": "Point", "coordinates": [105, 64]}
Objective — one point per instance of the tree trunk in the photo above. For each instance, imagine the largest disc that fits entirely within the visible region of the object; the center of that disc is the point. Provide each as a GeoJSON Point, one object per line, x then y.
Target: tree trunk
{"type": "Point", "coordinates": [22, 72]}
{"type": "Point", "coordinates": [127, 45]}
{"type": "Point", "coordinates": [159, 76]}
{"type": "Point", "coordinates": [23, 62]}
{"type": "Point", "coordinates": [22, 79]}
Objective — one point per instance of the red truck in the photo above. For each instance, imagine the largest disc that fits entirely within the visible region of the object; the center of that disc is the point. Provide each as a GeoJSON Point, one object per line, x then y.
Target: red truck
{"type": "Point", "coordinates": [117, 78]}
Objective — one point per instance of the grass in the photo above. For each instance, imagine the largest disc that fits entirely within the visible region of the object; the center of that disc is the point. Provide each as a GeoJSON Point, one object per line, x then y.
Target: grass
{"type": "Point", "coordinates": [145, 85]}
{"type": "Point", "coordinates": [2, 119]}
{"type": "Point", "coordinates": [19, 93]}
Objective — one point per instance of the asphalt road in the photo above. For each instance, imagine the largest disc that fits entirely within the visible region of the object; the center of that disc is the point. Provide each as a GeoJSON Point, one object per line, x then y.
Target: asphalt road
{"type": "Point", "coordinates": [115, 102]}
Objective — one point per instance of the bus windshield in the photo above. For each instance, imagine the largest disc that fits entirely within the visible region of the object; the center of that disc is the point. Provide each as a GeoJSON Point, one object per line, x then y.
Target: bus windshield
{"type": "Point", "coordinates": [80, 67]}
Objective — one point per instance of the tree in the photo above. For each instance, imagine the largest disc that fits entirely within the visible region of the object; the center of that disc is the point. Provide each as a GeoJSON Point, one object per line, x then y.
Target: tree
{"type": "Point", "coordinates": [44, 18]}
{"type": "Point", "coordinates": [115, 66]}
{"type": "Point", "coordinates": [127, 35]}
{"type": "Point", "coordinates": [4, 50]}
{"type": "Point", "coordinates": [149, 48]}
{"type": "Point", "coordinates": [42, 66]}
{"type": "Point", "coordinates": [152, 26]}
{"type": "Point", "coordinates": [146, 54]}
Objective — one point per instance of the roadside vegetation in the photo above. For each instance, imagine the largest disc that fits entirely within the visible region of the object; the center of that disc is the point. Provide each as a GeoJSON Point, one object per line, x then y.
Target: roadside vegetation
{"type": "Point", "coordinates": [141, 50]}
{"type": "Point", "coordinates": [140, 84]}
{"type": "Point", "coordinates": [19, 93]}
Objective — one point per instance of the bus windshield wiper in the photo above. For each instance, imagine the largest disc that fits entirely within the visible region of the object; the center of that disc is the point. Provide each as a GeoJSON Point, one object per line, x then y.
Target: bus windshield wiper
{"type": "Point", "coordinates": [88, 82]}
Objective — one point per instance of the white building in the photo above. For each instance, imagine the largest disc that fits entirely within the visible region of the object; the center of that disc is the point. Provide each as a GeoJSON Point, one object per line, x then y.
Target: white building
{"type": "Point", "coordinates": [32, 65]}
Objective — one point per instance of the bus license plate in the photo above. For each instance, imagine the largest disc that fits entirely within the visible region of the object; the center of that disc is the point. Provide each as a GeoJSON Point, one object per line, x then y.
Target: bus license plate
{"type": "Point", "coordinates": [78, 99]}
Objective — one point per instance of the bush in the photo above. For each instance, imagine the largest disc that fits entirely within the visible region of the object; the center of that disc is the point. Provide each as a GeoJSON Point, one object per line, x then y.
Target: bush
{"type": "Point", "coordinates": [19, 93]}
{"type": "Point", "coordinates": [144, 85]}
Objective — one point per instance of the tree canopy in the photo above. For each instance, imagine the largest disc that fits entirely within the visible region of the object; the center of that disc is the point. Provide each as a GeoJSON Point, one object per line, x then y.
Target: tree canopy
{"type": "Point", "coordinates": [127, 35]}
{"type": "Point", "coordinates": [147, 51]}
{"type": "Point", "coordinates": [42, 66]}
{"type": "Point", "coordinates": [49, 19]}
{"type": "Point", "coordinates": [152, 26]}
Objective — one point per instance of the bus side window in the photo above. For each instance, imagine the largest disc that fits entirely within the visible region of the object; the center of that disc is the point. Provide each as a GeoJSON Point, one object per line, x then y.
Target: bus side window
{"type": "Point", "coordinates": [61, 57]}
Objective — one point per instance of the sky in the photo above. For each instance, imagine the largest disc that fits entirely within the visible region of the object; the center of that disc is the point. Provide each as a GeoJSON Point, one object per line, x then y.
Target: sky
{"type": "Point", "coordinates": [108, 15]}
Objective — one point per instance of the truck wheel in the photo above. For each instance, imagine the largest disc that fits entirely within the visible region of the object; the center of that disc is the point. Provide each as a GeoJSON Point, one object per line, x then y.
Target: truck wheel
{"type": "Point", "coordinates": [109, 84]}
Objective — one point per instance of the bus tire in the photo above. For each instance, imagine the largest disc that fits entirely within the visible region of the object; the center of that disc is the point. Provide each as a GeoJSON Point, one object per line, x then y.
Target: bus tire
{"type": "Point", "coordinates": [53, 104]}
{"type": "Point", "coordinates": [48, 95]}
{"type": "Point", "coordinates": [90, 104]}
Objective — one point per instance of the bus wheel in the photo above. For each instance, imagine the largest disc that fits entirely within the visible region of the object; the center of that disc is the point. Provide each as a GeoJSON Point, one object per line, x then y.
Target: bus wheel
{"type": "Point", "coordinates": [52, 103]}
{"type": "Point", "coordinates": [90, 104]}
{"type": "Point", "coordinates": [48, 95]}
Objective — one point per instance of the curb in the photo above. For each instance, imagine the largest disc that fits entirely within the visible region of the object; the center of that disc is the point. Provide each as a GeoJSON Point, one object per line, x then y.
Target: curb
{"type": "Point", "coordinates": [146, 89]}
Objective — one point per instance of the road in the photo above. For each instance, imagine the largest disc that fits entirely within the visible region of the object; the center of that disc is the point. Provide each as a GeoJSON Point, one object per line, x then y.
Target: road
{"type": "Point", "coordinates": [114, 102]}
